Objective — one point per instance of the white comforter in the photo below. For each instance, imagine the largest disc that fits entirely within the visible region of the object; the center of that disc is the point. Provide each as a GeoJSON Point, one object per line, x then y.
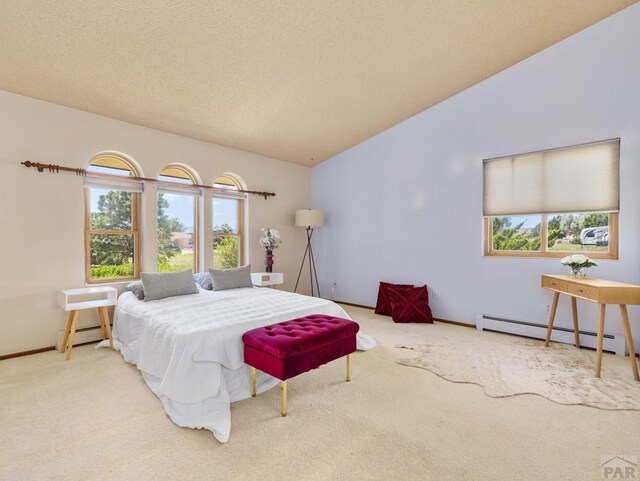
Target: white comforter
{"type": "Point", "coordinates": [190, 351]}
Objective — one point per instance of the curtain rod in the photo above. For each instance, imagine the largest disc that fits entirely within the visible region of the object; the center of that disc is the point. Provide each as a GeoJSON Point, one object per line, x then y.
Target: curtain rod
{"type": "Point", "coordinates": [83, 173]}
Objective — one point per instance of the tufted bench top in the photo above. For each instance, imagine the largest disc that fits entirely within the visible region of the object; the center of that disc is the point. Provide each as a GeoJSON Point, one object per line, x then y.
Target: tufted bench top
{"type": "Point", "coordinates": [290, 338]}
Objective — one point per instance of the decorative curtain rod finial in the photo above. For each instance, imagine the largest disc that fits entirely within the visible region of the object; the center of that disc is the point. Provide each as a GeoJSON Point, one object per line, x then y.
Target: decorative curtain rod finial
{"type": "Point", "coordinates": [28, 164]}
{"type": "Point", "coordinates": [53, 168]}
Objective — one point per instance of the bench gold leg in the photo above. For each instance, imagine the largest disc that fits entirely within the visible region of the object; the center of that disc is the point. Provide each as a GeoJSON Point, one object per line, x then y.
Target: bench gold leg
{"type": "Point", "coordinates": [348, 367]}
{"type": "Point", "coordinates": [253, 382]}
{"type": "Point", "coordinates": [283, 398]}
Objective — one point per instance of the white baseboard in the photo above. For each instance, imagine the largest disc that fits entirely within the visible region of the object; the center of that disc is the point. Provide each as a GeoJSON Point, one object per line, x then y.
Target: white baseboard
{"type": "Point", "coordinates": [83, 336]}
{"type": "Point", "coordinates": [614, 343]}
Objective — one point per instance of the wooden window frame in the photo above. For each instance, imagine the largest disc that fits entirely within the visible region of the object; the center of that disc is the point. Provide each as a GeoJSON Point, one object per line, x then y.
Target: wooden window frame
{"type": "Point", "coordinates": [196, 219]}
{"type": "Point", "coordinates": [544, 252]}
{"type": "Point", "coordinates": [239, 234]}
{"type": "Point", "coordinates": [136, 200]}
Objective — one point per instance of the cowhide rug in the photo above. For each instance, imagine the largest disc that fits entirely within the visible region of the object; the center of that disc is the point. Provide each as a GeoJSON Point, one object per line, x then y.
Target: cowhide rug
{"type": "Point", "coordinates": [510, 366]}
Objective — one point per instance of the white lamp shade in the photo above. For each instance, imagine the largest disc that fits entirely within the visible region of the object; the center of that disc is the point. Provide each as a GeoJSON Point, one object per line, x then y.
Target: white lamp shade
{"type": "Point", "coordinates": [309, 218]}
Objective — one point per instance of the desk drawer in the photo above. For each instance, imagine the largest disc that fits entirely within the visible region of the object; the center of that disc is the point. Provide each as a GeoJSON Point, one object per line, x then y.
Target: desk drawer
{"type": "Point", "coordinates": [583, 291]}
{"type": "Point", "coordinates": [557, 284]}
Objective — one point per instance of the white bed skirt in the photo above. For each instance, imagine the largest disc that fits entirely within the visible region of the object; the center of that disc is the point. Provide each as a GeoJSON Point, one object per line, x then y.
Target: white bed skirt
{"type": "Point", "coordinates": [214, 413]}
{"type": "Point", "coordinates": [196, 392]}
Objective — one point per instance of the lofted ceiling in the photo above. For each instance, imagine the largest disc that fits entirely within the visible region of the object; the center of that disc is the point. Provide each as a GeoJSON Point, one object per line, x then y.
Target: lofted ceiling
{"type": "Point", "coordinates": [298, 80]}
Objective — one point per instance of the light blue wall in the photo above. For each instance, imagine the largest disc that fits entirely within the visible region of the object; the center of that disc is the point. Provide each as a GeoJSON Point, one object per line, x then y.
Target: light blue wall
{"type": "Point", "coordinates": [406, 205]}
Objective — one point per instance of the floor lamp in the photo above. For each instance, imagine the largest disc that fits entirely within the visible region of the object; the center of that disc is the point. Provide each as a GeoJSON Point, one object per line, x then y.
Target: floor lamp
{"type": "Point", "coordinates": [309, 219]}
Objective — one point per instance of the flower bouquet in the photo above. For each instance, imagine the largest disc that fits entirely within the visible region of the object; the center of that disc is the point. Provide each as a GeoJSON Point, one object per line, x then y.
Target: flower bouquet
{"type": "Point", "coordinates": [576, 263]}
{"type": "Point", "coordinates": [270, 239]}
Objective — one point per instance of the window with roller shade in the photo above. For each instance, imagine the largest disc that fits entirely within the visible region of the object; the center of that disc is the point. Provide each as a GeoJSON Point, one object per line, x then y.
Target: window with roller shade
{"type": "Point", "coordinates": [554, 202]}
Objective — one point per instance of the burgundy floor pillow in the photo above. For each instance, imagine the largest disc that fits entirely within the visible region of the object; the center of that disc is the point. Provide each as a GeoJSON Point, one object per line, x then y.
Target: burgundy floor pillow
{"type": "Point", "coordinates": [410, 305]}
{"type": "Point", "coordinates": [383, 306]}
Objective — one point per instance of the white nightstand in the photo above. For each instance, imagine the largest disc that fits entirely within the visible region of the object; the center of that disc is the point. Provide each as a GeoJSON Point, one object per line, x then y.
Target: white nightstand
{"type": "Point", "coordinates": [266, 279]}
{"type": "Point", "coordinates": [73, 300]}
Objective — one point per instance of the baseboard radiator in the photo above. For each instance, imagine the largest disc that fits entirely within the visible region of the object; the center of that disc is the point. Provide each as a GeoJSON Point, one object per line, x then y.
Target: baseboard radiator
{"type": "Point", "coordinates": [83, 336]}
{"type": "Point", "coordinates": [614, 343]}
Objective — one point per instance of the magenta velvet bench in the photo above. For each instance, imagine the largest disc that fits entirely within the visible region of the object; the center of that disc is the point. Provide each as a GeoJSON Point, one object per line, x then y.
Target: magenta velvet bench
{"type": "Point", "coordinates": [289, 348]}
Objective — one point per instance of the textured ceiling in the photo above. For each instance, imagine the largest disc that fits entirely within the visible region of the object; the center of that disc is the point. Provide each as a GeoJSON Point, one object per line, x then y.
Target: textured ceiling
{"type": "Point", "coordinates": [298, 80]}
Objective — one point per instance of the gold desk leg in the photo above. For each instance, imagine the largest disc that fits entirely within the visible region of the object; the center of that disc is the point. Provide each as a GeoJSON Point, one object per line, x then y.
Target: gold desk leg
{"type": "Point", "coordinates": [552, 316]}
{"type": "Point", "coordinates": [68, 347]}
{"type": "Point", "coordinates": [574, 312]}
{"type": "Point", "coordinates": [629, 337]}
{"type": "Point", "coordinates": [283, 398]}
{"type": "Point", "coordinates": [348, 367]}
{"type": "Point", "coordinates": [104, 316]}
{"type": "Point", "coordinates": [253, 382]}
{"type": "Point", "coordinates": [601, 312]}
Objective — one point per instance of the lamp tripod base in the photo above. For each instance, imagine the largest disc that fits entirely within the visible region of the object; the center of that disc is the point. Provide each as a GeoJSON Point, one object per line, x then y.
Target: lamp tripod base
{"type": "Point", "coordinates": [313, 274]}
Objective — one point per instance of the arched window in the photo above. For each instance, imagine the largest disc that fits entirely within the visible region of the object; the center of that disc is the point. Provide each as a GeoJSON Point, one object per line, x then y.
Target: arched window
{"type": "Point", "coordinates": [228, 222]}
{"type": "Point", "coordinates": [112, 218]}
{"type": "Point", "coordinates": [177, 219]}
{"type": "Point", "coordinates": [227, 182]}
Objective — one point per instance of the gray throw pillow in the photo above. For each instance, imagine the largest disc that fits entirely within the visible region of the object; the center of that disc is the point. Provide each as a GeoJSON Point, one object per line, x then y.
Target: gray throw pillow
{"type": "Point", "coordinates": [137, 289]}
{"type": "Point", "coordinates": [204, 280]}
{"type": "Point", "coordinates": [231, 278]}
{"type": "Point", "coordinates": [168, 284]}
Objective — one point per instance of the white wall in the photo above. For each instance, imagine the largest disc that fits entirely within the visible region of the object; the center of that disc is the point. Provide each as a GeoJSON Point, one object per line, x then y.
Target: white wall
{"type": "Point", "coordinates": [41, 215]}
{"type": "Point", "coordinates": [406, 205]}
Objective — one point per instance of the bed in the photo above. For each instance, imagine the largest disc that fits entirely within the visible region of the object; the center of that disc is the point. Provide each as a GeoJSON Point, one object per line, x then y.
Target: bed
{"type": "Point", "coordinates": [189, 348]}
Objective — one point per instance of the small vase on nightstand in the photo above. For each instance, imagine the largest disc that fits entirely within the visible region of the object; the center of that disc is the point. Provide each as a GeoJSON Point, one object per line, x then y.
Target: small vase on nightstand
{"type": "Point", "coordinates": [268, 261]}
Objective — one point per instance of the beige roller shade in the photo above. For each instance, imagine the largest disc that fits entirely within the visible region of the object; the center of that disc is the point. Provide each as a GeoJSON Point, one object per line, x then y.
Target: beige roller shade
{"type": "Point", "coordinates": [582, 178]}
{"type": "Point", "coordinates": [123, 184]}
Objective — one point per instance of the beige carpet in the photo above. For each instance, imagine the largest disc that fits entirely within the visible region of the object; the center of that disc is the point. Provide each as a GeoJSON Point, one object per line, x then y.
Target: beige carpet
{"type": "Point", "coordinates": [93, 418]}
{"type": "Point", "coordinates": [507, 366]}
